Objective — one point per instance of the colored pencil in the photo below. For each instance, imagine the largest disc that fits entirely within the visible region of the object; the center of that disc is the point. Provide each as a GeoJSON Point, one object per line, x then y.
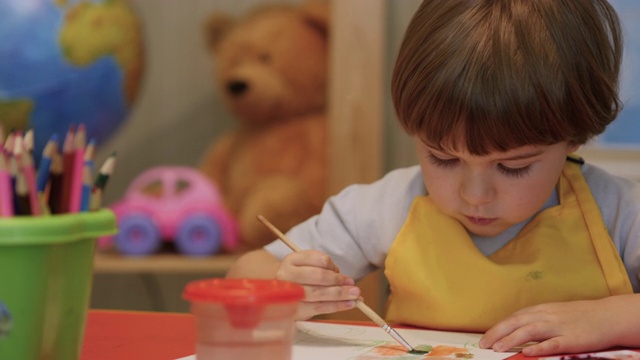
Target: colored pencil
{"type": "Point", "coordinates": [79, 142]}
{"type": "Point", "coordinates": [45, 162]}
{"type": "Point", "coordinates": [55, 184]}
{"type": "Point", "coordinates": [6, 192]}
{"type": "Point", "coordinates": [86, 188]}
{"type": "Point", "coordinates": [22, 194]}
{"type": "Point", "coordinates": [25, 163]}
{"type": "Point", "coordinates": [67, 169]}
{"type": "Point", "coordinates": [13, 172]}
{"type": "Point", "coordinates": [87, 172]}
{"type": "Point", "coordinates": [8, 143]}
{"type": "Point", "coordinates": [28, 141]}
{"type": "Point", "coordinates": [90, 151]}
{"type": "Point", "coordinates": [106, 170]}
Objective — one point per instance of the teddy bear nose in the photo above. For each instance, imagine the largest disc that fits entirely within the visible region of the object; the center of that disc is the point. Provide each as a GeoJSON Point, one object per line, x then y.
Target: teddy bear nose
{"type": "Point", "coordinates": [237, 87]}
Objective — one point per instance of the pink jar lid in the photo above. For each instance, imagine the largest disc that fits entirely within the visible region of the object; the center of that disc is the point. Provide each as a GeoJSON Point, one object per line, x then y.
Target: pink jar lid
{"type": "Point", "coordinates": [243, 291]}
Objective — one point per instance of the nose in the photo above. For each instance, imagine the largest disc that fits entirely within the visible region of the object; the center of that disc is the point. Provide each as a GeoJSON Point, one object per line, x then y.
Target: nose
{"type": "Point", "coordinates": [477, 189]}
{"type": "Point", "coordinates": [237, 87]}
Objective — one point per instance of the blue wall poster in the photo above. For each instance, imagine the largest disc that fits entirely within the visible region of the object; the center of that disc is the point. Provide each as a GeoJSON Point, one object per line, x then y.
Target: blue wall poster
{"type": "Point", "coordinates": [624, 132]}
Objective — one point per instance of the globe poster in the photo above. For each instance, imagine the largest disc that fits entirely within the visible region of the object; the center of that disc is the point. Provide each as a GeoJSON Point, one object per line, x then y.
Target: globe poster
{"type": "Point", "coordinates": [65, 62]}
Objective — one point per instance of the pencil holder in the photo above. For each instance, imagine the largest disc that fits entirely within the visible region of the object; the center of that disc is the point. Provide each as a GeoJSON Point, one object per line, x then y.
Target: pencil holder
{"type": "Point", "coordinates": [46, 272]}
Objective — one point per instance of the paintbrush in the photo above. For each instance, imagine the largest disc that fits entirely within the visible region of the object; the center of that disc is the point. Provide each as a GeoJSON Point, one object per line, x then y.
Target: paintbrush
{"type": "Point", "coordinates": [359, 303]}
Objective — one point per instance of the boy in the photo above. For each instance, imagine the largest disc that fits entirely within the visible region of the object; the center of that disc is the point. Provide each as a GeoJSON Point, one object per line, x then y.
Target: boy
{"type": "Point", "coordinates": [499, 230]}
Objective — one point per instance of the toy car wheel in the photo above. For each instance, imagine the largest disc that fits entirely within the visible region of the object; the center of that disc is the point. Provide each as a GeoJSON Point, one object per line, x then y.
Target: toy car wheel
{"type": "Point", "coordinates": [198, 235]}
{"type": "Point", "coordinates": [137, 235]}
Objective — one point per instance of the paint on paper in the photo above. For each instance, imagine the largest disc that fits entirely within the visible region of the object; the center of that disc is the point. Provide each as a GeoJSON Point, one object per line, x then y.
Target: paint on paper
{"type": "Point", "coordinates": [315, 340]}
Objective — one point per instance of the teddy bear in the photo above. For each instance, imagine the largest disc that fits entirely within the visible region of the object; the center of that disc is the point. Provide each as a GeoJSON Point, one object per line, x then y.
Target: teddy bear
{"type": "Point", "coordinates": [271, 68]}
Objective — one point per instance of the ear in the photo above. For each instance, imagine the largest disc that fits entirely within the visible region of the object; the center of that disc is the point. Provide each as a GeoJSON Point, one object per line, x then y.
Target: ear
{"type": "Point", "coordinates": [318, 14]}
{"type": "Point", "coordinates": [216, 26]}
{"type": "Point", "coordinates": [573, 147]}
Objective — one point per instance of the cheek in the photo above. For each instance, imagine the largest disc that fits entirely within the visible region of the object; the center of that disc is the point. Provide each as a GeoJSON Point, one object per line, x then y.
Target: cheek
{"type": "Point", "coordinates": [524, 200]}
{"type": "Point", "coordinates": [441, 185]}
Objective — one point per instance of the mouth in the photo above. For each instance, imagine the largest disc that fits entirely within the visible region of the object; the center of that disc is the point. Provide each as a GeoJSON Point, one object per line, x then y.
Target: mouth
{"type": "Point", "coordinates": [476, 220]}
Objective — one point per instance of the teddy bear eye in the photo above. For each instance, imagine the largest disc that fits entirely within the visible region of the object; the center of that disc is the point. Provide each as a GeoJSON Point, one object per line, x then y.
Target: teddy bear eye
{"type": "Point", "coordinates": [265, 58]}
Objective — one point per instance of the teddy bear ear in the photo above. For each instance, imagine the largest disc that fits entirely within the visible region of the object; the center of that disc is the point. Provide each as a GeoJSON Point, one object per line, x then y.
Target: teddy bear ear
{"type": "Point", "coordinates": [216, 26]}
{"type": "Point", "coordinates": [317, 13]}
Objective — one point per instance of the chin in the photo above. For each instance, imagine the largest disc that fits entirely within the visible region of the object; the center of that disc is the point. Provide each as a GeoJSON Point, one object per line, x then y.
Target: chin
{"type": "Point", "coordinates": [485, 231]}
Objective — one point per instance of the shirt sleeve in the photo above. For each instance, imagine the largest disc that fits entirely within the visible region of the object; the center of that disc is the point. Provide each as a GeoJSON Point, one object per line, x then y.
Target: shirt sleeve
{"type": "Point", "coordinates": [357, 226]}
{"type": "Point", "coordinates": [619, 202]}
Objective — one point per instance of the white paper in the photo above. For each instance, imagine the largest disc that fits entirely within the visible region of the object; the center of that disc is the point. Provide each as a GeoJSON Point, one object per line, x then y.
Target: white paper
{"type": "Point", "coordinates": [324, 340]}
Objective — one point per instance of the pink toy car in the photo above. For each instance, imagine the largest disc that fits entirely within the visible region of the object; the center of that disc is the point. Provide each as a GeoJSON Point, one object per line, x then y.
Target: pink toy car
{"type": "Point", "coordinates": [176, 204]}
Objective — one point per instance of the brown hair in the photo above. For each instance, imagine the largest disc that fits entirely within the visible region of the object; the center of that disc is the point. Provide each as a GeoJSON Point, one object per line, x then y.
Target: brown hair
{"type": "Point", "coordinates": [508, 73]}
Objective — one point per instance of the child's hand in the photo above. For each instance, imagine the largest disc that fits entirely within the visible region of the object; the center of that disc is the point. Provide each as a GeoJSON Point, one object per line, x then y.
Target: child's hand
{"type": "Point", "coordinates": [326, 290]}
{"type": "Point", "coordinates": [569, 327]}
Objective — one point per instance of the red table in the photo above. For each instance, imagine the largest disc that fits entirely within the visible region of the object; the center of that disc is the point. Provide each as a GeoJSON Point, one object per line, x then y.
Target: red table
{"type": "Point", "coordinates": [132, 335]}
{"type": "Point", "coordinates": [125, 335]}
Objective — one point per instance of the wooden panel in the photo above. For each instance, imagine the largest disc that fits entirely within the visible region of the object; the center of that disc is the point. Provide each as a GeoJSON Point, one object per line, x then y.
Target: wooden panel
{"type": "Point", "coordinates": [356, 105]}
{"type": "Point", "coordinates": [356, 110]}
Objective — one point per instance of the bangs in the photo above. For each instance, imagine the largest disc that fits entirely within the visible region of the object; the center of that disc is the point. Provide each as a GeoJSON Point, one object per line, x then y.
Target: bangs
{"type": "Point", "coordinates": [482, 120]}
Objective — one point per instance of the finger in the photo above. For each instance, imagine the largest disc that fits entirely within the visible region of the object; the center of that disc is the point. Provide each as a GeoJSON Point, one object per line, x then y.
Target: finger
{"type": "Point", "coordinates": [311, 258]}
{"type": "Point", "coordinates": [500, 336]}
{"type": "Point", "coordinates": [307, 310]}
{"type": "Point", "coordinates": [310, 275]}
{"type": "Point", "coordinates": [496, 333]}
{"type": "Point", "coordinates": [548, 347]}
{"type": "Point", "coordinates": [330, 293]}
{"type": "Point", "coordinates": [525, 334]}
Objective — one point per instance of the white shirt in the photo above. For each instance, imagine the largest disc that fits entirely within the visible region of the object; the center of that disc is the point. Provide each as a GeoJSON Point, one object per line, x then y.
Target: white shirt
{"type": "Point", "coordinates": [357, 226]}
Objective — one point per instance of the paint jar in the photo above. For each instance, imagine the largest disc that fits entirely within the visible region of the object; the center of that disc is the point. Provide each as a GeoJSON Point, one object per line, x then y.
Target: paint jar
{"type": "Point", "coordinates": [243, 318]}
{"type": "Point", "coordinates": [46, 272]}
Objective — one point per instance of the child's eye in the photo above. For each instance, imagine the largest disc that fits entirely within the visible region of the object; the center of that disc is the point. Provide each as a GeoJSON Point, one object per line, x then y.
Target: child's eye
{"type": "Point", "coordinates": [517, 172]}
{"type": "Point", "coordinates": [441, 162]}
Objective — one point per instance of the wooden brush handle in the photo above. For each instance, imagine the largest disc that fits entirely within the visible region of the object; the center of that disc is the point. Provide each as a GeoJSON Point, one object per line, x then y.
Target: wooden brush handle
{"type": "Point", "coordinates": [370, 313]}
{"type": "Point", "coordinates": [278, 233]}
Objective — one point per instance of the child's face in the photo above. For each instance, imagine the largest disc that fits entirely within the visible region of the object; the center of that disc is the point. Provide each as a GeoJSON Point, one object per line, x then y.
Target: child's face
{"type": "Point", "coordinates": [490, 193]}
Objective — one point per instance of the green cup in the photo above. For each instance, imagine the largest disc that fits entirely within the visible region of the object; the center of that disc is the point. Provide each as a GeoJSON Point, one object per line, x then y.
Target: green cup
{"type": "Point", "coordinates": [46, 272]}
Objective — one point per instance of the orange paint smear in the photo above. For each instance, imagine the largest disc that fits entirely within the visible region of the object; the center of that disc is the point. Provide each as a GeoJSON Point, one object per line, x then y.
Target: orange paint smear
{"type": "Point", "coordinates": [443, 350]}
{"type": "Point", "coordinates": [390, 350]}
{"type": "Point", "coordinates": [437, 351]}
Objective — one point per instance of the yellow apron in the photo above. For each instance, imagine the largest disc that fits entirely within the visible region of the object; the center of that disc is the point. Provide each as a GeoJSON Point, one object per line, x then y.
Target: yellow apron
{"type": "Point", "coordinates": [439, 279]}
